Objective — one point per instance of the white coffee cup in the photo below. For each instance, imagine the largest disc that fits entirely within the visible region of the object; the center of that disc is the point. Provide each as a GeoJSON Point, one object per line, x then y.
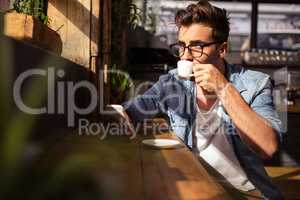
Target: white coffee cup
{"type": "Point", "coordinates": [185, 69]}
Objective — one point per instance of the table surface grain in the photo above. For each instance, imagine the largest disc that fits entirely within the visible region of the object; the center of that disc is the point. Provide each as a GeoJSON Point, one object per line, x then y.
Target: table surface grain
{"type": "Point", "coordinates": [127, 169]}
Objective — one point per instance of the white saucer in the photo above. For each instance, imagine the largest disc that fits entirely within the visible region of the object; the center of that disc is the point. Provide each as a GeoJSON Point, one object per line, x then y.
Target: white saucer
{"type": "Point", "coordinates": [161, 143]}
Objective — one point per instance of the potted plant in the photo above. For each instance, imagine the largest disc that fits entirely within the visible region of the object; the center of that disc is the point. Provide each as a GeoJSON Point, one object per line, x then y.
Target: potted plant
{"type": "Point", "coordinates": [120, 84]}
{"type": "Point", "coordinates": [27, 21]}
{"type": "Point", "coordinates": [125, 15]}
{"type": "Point", "coordinates": [35, 8]}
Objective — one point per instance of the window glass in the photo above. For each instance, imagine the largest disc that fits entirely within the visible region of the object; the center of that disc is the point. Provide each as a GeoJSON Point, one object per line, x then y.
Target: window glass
{"type": "Point", "coordinates": [240, 22]}
{"type": "Point", "coordinates": [279, 26]}
{"type": "Point", "coordinates": [158, 19]}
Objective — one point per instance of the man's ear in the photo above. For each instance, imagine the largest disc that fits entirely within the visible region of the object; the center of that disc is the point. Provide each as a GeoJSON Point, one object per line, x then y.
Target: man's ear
{"type": "Point", "coordinates": [223, 49]}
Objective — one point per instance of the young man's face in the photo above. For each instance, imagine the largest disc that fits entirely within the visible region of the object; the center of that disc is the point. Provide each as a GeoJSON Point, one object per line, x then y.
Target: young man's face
{"type": "Point", "coordinates": [193, 34]}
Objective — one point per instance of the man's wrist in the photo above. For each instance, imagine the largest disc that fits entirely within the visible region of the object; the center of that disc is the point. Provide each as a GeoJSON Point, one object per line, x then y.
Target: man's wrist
{"type": "Point", "coordinates": [221, 92]}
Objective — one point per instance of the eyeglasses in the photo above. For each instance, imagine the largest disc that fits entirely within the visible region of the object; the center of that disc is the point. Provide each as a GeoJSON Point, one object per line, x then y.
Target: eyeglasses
{"type": "Point", "coordinates": [195, 49]}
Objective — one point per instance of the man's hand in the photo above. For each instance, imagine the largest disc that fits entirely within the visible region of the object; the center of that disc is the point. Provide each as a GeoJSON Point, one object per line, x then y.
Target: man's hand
{"type": "Point", "coordinates": [118, 114]}
{"type": "Point", "coordinates": [208, 77]}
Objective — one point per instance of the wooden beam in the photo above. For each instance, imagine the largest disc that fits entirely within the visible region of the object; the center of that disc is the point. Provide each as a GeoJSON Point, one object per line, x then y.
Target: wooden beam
{"type": "Point", "coordinates": [106, 32]}
{"type": "Point", "coordinates": [106, 46]}
{"type": "Point", "coordinates": [95, 27]}
{"type": "Point", "coordinates": [94, 41]}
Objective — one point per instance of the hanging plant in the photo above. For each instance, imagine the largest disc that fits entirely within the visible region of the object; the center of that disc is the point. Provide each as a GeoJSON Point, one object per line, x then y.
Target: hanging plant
{"type": "Point", "coordinates": [36, 8]}
{"type": "Point", "coordinates": [135, 16]}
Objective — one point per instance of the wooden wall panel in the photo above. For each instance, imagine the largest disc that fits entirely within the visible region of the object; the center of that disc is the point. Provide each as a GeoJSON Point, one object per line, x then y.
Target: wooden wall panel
{"type": "Point", "coordinates": [72, 20]}
{"type": "Point", "coordinates": [85, 29]}
{"type": "Point", "coordinates": [32, 31]}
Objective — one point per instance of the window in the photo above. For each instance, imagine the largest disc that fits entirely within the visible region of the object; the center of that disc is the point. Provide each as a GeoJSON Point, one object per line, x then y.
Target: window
{"type": "Point", "coordinates": [279, 26]}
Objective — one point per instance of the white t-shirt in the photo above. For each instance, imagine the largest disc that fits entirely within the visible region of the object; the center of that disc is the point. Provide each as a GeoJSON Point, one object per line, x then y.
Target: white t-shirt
{"type": "Point", "coordinates": [213, 145]}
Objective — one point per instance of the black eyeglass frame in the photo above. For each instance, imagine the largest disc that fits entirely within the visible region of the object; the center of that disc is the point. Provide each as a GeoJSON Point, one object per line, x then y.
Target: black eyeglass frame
{"type": "Point", "coordinates": [193, 44]}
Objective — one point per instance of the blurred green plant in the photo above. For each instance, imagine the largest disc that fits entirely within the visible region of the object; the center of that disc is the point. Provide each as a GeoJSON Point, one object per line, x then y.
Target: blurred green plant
{"type": "Point", "coordinates": [36, 8]}
{"type": "Point", "coordinates": [42, 175]}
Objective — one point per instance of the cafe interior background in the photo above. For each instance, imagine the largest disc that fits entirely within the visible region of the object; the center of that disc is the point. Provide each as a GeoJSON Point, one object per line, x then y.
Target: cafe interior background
{"type": "Point", "coordinates": [79, 40]}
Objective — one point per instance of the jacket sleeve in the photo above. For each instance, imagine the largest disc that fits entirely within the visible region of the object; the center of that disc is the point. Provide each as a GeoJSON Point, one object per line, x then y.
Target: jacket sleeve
{"type": "Point", "coordinates": [263, 104]}
{"type": "Point", "coordinates": [148, 105]}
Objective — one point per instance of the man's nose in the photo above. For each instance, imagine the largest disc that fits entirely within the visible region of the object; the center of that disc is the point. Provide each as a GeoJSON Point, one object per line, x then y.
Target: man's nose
{"type": "Point", "coordinates": [187, 55]}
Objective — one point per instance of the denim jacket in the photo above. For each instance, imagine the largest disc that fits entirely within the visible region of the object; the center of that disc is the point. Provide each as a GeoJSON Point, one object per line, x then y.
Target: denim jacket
{"type": "Point", "coordinates": [176, 98]}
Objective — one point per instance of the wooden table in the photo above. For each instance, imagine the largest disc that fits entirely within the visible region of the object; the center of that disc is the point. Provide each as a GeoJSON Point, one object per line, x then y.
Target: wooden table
{"type": "Point", "coordinates": [127, 169]}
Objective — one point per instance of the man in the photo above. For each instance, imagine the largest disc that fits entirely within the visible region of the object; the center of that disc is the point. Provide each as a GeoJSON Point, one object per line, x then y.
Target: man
{"type": "Point", "coordinates": [226, 114]}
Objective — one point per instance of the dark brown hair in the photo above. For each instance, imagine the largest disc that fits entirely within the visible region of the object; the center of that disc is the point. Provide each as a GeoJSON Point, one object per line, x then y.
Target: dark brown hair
{"type": "Point", "coordinates": [203, 12]}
